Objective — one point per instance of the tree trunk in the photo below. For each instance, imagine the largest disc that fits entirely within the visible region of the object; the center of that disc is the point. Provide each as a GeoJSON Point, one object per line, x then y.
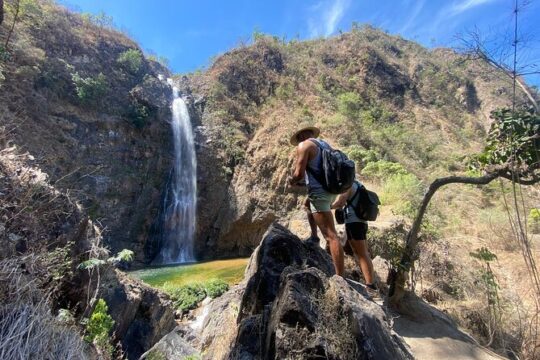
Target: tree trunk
{"type": "Point", "coordinates": [15, 19]}
{"type": "Point", "coordinates": [398, 277]}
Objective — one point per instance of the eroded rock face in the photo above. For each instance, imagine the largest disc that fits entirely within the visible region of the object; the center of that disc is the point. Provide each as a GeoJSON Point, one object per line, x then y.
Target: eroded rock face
{"type": "Point", "coordinates": [142, 315]}
{"type": "Point", "coordinates": [291, 305]}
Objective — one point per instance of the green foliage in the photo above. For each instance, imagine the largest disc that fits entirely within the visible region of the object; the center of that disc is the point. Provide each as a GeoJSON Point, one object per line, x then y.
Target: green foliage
{"type": "Point", "coordinates": [488, 280]}
{"type": "Point", "coordinates": [361, 156]}
{"type": "Point", "coordinates": [138, 114]}
{"type": "Point", "coordinates": [388, 244]}
{"type": "Point", "coordinates": [512, 139]}
{"type": "Point", "coordinates": [155, 355]}
{"type": "Point", "coordinates": [90, 89]}
{"type": "Point", "coordinates": [192, 357]}
{"type": "Point", "coordinates": [188, 296]}
{"type": "Point", "coordinates": [124, 255]}
{"type": "Point", "coordinates": [404, 193]}
{"type": "Point", "coordinates": [376, 114]}
{"type": "Point", "coordinates": [483, 254]}
{"type": "Point", "coordinates": [91, 264]}
{"type": "Point", "coordinates": [215, 287]}
{"type": "Point", "coordinates": [99, 327]}
{"type": "Point", "coordinates": [534, 220]}
{"type": "Point", "coordinates": [131, 60]}
{"type": "Point", "coordinates": [349, 104]}
{"type": "Point", "coordinates": [383, 169]}
{"type": "Point", "coordinates": [185, 297]}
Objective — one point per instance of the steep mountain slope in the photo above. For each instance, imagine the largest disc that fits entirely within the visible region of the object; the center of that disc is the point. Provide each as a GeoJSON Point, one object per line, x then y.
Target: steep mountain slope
{"type": "Point", "coordinates": [379, 97]}
{"type": "Point", "coordinates": [85, 103]}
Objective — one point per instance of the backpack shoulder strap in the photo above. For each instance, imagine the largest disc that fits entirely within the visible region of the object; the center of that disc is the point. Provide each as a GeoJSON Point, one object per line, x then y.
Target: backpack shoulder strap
{"type": "Point", "coordinates": [317, 176]}
{"type": "Point", "coordinates": [358, 186]}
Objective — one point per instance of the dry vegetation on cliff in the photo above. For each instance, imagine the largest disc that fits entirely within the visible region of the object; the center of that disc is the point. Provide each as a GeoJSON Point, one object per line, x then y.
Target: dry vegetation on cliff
{"type": "Point", "coordinates": [406, 115]}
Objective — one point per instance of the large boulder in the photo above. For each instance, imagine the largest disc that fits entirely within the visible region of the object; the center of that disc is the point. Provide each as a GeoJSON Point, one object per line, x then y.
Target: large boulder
{"type": "Point", "coordinates": [142, 314]}
{"type": "Point", "coordinates": [291, 305]}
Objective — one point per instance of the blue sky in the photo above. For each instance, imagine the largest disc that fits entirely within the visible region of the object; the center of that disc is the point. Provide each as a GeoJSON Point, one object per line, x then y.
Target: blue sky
{"type": "Point", "coordinates": [190, 33]}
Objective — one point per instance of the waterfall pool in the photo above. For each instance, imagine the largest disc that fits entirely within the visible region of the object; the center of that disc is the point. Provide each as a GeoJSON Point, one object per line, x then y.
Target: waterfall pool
{"type": "Point", "coordinates": [231, 271]}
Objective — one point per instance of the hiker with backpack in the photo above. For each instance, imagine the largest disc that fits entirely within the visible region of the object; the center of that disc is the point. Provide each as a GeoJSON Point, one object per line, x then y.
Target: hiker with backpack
{"type": "Point", "coordinates": [327, 173]}
{"type": "Point", "coordinates": [356, 206]}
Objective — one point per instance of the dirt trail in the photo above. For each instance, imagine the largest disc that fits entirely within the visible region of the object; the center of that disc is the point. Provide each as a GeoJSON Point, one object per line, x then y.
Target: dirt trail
{"type": "Point", "coordinates": [432, 335]}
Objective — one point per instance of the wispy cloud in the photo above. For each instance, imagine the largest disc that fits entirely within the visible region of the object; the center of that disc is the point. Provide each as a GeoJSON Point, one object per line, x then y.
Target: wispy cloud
{"type": "Point", "coordinates": [413, 16]}
{"type": "Point", "coordinates": [465, 5]}
{"type": "Point", "coordinates": [325, 17]}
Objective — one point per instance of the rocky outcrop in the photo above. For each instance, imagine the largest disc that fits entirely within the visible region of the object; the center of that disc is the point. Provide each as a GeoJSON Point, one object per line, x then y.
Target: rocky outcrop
{"type": "Point", "coordinates": [291, 305]}
{"type": "Point", "coordinates": [142, 314]}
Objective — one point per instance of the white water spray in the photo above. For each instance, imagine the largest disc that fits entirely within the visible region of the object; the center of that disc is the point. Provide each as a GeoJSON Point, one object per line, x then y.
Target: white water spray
{"type": "Point", "coordinates": [181, 199]}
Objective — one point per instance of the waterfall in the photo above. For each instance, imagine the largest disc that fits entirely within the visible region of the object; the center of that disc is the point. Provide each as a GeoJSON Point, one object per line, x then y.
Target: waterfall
{"type": "Point", "coordinates": [181, 198]}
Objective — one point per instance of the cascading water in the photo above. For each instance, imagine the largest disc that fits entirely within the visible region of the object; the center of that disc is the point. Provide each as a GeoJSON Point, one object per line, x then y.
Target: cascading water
{"type": "Point", "coordinates": [181, 198]}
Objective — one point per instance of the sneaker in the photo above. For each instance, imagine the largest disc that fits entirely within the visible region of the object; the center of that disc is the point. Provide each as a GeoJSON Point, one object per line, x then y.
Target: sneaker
{"type": "Point", "coordinates": [373, 291]}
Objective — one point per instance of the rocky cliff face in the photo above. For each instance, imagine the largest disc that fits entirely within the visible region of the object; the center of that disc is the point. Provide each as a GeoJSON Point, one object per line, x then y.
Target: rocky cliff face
{"type": "Point", "coordinates": [290, 306]}
{"type": "Point", "coordinates": [96, 123]}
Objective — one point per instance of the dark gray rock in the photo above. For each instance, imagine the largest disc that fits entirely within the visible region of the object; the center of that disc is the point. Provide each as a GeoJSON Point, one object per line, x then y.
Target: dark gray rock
{"type": "Point", "coordinates": [175, 345]}
{"type": "Point", "coordinates": [294, 307]}
{"type": "Point", "coordinates": [152, 93]}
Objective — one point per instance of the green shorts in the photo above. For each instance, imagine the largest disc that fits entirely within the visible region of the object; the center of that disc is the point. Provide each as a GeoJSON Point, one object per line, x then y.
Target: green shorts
{"type": "Point", "coordinates": [321, 201]}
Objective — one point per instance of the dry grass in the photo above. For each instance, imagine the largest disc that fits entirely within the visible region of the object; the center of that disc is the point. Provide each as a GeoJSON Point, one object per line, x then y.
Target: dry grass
{"type": "Point", "coordinates": [28, 330]}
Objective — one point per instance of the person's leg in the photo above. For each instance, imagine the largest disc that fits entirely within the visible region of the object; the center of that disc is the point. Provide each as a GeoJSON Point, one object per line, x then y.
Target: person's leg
{"type": "Point", "coordinates": [311, 220]}
{"type": "Point", "coordinates": [364, 259]}
{"type": "Point", "coordinates": [325, 222]}
{"type": "Point", "coordinates": [356, 236]}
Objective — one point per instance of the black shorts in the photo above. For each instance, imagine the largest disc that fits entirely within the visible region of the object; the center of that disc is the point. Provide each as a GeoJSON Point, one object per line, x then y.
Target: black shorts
{"type": "Point", "coordinates": [356, 230]}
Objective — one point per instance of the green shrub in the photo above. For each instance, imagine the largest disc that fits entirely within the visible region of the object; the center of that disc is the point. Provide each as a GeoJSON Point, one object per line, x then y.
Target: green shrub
{"type": "Point", "coordinates": [99, 327]}
{"type": "Point", "coordinates": [185, 297]}
{"type": "Point", "coordinates": [349, 104]}
{"type": "Point", "coordinates": [534, 220]}
{"type": "Point", "coordinates": [138, 114]}
{"type": "Point", "coordinates": [361, 156]}
{"type": "Point", "coordinates": [131, 60]}
{"type": "Point", "coordinates": [376, 114]}
{"type": "Point", "coordinates": [90, 89]}
{"type": "Point", "coordinates": [383, 169]}
{"type": "Point", "coordinates": [215, 287]}
{"type": "Point", "coordinates": [403, 192]}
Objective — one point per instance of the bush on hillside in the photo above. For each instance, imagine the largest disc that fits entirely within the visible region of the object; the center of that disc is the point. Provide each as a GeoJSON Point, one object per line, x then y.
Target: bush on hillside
{"type": "Point", "coordinates": [383, 169]}
{"type": "Point", "coordinates": [404, 193]}
{"type": "Point", "coordinates": [361, 156]}
{"type": "Point", "coordinates": [131, 60]}
{"type": "Point", "coordinates": [90, 89]}
{"type": "Point", "coordinates": [534, 221]}
{"type": "Point", "coordinates": [215, 287]}
{"type": "Point", "coordinates": [349, 104]}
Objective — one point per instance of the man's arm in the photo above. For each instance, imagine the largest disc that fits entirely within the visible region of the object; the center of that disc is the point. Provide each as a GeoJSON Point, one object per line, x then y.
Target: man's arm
{"type": "Point", "coordinates": [341, 200]}
{"type": "Point", "coordinates": [302, 158]}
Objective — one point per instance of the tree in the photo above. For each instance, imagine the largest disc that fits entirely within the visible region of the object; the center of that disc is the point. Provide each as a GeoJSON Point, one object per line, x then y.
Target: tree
{"type": "Point", "coordinates": [511, 153]}
{"type": "Point", "coordinates": [16, 11]}
{"type": "Point", "coordinates": [18, 8]}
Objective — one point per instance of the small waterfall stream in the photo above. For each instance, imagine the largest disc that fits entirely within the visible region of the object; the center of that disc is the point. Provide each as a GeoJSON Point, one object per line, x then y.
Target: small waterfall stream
{"type": "Point", "coordinates": [181, 199]}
